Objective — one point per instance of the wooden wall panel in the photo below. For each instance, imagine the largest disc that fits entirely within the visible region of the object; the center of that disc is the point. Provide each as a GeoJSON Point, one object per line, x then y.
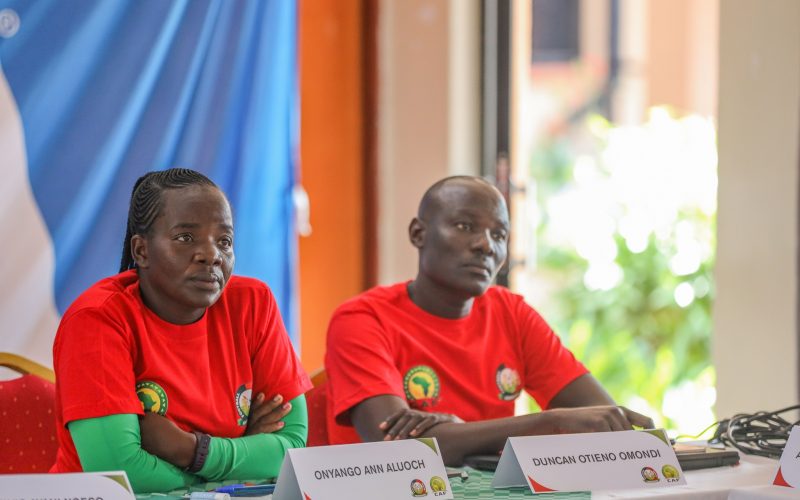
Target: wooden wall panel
{"type": "Point", "coordinates": [332, 149]}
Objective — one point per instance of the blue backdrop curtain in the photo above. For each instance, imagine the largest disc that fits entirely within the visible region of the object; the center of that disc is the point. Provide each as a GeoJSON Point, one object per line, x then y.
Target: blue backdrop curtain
{"type": "Point", "coordinates": [107, 90]}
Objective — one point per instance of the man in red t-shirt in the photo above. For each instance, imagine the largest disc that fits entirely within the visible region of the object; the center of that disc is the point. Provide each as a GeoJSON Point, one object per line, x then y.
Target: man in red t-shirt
{"type": "Point", "coordinates": [446, 354]}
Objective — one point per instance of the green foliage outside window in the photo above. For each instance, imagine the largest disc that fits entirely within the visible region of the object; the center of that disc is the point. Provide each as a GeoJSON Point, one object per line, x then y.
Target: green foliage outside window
{"type": "Point", "coordinates": [625, 241]}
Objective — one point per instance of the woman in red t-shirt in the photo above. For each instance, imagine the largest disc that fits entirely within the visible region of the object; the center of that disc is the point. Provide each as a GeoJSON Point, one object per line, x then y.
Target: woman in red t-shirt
{"type": "Point", "coordinates": [156, 366]}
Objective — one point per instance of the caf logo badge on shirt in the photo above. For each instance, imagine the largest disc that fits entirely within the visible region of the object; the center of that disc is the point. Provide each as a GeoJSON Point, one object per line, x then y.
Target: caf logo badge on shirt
{"type": "Point", "coordinates": [421, 386]}
{"type": "Point", "coordinates": [152, 396]}
{"type": "Point", "coordinates": [508, 382]}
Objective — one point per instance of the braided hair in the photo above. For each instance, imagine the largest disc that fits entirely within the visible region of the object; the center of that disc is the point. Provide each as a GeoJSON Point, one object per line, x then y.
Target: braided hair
{"type": "Point", "coordinates": [146, 203]}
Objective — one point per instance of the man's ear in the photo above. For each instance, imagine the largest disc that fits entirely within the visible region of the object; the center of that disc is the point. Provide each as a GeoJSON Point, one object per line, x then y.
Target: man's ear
{"type": "Point", "coordinates": [416, 232]}
{"type": "Point", "coordinates": [139, 251]}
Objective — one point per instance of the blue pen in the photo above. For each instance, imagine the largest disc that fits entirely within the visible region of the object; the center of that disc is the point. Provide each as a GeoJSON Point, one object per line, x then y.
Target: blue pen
{"type": "Point", "coordinates": [207, 495]}
{"type": "Point", "coordinates": [229, 488]}
{"type": "Point", "coordinates": [253, 491]}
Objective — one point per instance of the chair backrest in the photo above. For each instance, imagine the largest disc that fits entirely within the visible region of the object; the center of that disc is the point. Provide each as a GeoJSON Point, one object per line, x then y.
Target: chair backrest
{"type": "Point", "coordinates": [27, 412]}
{"type": "Point", "coordinates": [26, 366]}
{"type": "Point", "coordinates": [317, 401]}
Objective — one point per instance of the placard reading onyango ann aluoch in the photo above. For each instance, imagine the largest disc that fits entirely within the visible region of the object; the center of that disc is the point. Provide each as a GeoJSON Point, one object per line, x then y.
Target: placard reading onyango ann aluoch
{"type": "Point", "coordinates": [410, 468]}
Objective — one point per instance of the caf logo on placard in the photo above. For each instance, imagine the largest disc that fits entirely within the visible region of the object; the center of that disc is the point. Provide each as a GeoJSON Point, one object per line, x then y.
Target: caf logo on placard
{"type": "Point", "coordinates": [670, 473]}
{"type": "Point", "coordinates": [438, 486]}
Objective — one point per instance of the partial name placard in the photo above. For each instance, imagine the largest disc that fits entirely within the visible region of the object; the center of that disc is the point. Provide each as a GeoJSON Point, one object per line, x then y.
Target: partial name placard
{"type": "Point", "coordinates": [106, 485]}
{"type": "Point", "coordinates": [589, 462]}
{"type": "Point", "coordinates": [789, 465]}
{"type": "Point", "coordinates": [409, 468]}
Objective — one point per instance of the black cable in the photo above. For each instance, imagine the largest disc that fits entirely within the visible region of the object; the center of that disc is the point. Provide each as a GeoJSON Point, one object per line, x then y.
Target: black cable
{"type": "Point", "coordinates": [762, 433]}
{"type": "Point", "coordinates": [696, 436]}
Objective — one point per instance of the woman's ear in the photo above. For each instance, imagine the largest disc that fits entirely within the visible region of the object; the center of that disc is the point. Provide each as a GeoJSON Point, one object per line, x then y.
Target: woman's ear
{"type": "Point", "coordinates": [416, 232]}
{"type": "Point", "coordinates": [139, 251]}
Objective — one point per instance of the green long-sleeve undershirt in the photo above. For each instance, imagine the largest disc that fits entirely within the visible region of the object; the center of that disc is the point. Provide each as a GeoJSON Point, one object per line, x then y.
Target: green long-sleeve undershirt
{"type": "Point", "coordinates": [114, 443]}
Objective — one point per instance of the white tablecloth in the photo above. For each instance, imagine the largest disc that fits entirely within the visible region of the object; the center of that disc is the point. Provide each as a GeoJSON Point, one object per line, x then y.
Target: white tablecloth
{"type": "Point", "coordinates": [750, 480]}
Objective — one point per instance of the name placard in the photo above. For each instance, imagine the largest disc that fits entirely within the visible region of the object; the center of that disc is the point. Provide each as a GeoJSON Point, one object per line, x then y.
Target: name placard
{"type": "Point", "coordinates": [410, 468]}
{"type": "Point", "coordinates": [89, 485]}
{"type": "Point", "coordinates": [589, 462]}
{"type": "Point", "coordinates": [789, 465]}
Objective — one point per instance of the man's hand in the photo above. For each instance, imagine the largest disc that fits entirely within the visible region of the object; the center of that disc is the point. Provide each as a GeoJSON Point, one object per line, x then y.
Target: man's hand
{"type": "Point", "coordinates": [162, 438]}
{"type": "Point", "coordinates": [593, 419]}
{"type": "Point", "coordinates": [265, 416]}
{"type": "Point", "coordinates": [406, 423]}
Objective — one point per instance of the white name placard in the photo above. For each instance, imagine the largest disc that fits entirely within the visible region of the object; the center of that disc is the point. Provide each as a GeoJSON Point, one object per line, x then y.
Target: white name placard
{"type": "Point", "coordinates": [89, 485]}
{"type": "Point", "coordinates": [589, 462]}
{"type": "Point", "coordinates": [789, 465]}
{"type": "Point", "coordinates": [406, 469]}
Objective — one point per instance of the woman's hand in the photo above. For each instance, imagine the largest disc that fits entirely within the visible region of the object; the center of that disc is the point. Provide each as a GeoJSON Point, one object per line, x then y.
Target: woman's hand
{"type": "Point", "coordinates": [162, 438]}
{"type": "Point", "coordinates": [265, 416]}
{"type": "Point", "coordinates": [412, 423]}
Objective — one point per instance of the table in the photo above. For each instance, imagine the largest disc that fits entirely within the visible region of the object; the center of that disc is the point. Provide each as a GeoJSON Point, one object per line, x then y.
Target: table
{"type": "Point", "coordinates": [479, 485]}
{"type": "Point", "coordinates": [718, 483]}
{"type": "Point", "coordinates": [750, 480]}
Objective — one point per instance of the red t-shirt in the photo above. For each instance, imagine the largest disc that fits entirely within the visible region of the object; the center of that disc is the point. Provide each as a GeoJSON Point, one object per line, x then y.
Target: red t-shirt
{"type": "Point", "coordinates": [380, 342]}
{"type": "Point", "coordinates": [113, 355]}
